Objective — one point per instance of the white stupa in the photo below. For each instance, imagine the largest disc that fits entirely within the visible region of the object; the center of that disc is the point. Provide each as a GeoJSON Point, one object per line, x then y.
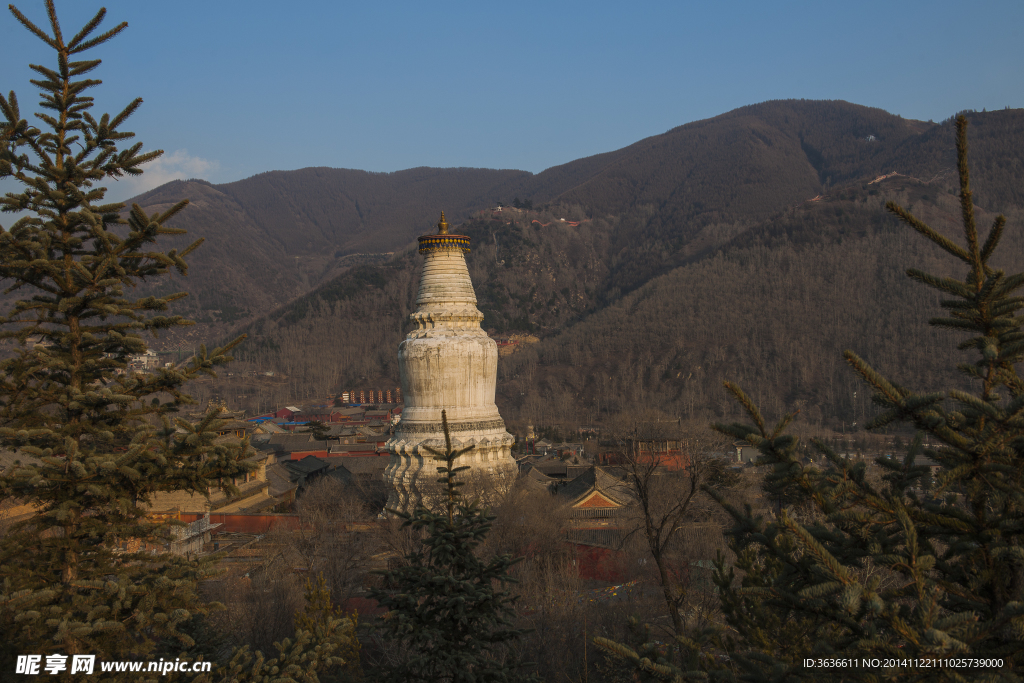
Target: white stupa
{"type": "Point", "coordinates": [447, 363]}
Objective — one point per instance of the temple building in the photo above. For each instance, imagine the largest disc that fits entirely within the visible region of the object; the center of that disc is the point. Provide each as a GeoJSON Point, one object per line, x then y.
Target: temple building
{"type": "Point", "coordinates": [447, 363]}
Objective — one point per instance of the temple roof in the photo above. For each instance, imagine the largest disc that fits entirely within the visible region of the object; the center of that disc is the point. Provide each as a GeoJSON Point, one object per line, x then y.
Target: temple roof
{"type": "Point", "coordinates": [581, 490]}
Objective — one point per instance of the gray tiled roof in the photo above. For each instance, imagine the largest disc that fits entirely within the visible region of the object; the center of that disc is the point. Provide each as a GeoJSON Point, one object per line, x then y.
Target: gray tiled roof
{"type": "Point", "coordinates": [552, 469]}
{"type": "Point", "coordinates": [307, 465]}
{"type": "Point", "coordinates": [537, 480]}
{"type": "Point", "coordinates": [344, 448]}
{"type": "Point", "coordinates": [573, 471]}
{"type": "Point", "coordinates": [595, 478]}
{"type": "Point", "coordinates": [289, 438]}
{"type": "Point", "coordinates": [610, 538]}
{"type": "Point", "coordinates": [341, 429]}
{"type": "Point", "coordinates": [289, 443]}
{"type": "Point", "coordinates": [349, 411]}
{"type": "Point", "coordinates": [357, 464]}
{"type": "Point", "coordinates": [280, 479]}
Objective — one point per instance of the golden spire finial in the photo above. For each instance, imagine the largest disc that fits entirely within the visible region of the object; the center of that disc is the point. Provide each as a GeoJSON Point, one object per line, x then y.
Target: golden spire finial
{"type": "Point", "coordinates": [442, 227]}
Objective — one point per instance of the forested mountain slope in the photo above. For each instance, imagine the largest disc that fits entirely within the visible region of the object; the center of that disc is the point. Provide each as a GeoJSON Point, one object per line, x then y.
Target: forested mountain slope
{"type": "Point", "coordinates": [751, 246]}
{"type": "Point", "coordinates": [772, 308]}
{"type": "Point", "coordinates": [678, 192]}
{"type": "Point", "coordinates": [277, 235]}
{"type": "Point", "coordinates": [273, 237]}
{"type": "Point", "coordinates": [757, 159]}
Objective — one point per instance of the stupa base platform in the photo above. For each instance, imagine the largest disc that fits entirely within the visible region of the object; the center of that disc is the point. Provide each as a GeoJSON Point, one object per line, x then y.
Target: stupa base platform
{"type": "Point", "coordinates": [412, 474]}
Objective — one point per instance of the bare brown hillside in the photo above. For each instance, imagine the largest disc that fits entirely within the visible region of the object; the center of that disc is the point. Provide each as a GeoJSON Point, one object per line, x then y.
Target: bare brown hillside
{"type": "Point", "coordinates": [275, 236]}
{"type": "Point", "coordinates": [772, 308]}
{"type": "Point", "coordinates": [751, 246]}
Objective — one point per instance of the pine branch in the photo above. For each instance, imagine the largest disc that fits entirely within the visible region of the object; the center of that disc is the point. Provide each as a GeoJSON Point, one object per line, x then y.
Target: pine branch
{"type": "Point", "coordinates": [749, 406]}
{"type": "Point", "coordinates": [935, 237]}
{"type": "Point", "coordinates": [32, 27]}
{"type": "Point", "coordinates": [966, 200]}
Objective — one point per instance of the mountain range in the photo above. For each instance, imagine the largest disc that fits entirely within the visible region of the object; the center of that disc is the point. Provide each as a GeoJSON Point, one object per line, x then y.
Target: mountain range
{"type": "Point", "coordinates": [720, 249]}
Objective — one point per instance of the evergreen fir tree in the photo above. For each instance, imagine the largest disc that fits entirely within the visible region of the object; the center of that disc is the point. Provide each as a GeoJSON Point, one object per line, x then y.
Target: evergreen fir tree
{"type": "Point", "coordinates": [321, 431]}
{"type": "Point", "coordinates": [884, 571]}
{"type": "Point", "coordinates": [321, 616]}
{"type": "Point", "coordinates": [325, 643]}
{"type": "Point", "coordinates": [96, 446]}
{"type": "Point", "coordinates": [100, 446]}
{"type": "Point", "coordinates": [446, 607]}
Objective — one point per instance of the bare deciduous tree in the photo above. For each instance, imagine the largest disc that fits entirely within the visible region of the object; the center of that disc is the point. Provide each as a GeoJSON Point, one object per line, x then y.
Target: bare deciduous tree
{"type": "Point", "coordinates": [259, 605]}
{"type": "Point", "coordinates": [669, 501]}
{"type": "Point", "coordinates": [337, 536]}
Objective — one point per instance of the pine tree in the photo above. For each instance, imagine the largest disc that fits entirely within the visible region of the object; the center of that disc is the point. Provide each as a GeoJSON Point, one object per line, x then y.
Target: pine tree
{"type": "Point", "coordinates": [446, 607]}
{"type": "Point", "coordinates": [321, 616]}
{"type": "Point", "coordinates": [325, 642]}
{"type": "Point", "coordinates": [321, 431]}
{"type": "Point", "coordinates": [885, 571]}
{"type": "Point", "coordinates": [95, 446]}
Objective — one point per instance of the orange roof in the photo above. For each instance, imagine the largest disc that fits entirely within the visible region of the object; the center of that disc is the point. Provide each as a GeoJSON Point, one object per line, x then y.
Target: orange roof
{"type": "Point", "coordinates": [596, 500]}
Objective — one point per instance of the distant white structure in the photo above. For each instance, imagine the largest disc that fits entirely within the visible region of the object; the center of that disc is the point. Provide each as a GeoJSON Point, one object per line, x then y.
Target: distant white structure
{"type": "Point", "coordinates": [447, 363]}
{"type": "Point", "coordinates": [146, 360]}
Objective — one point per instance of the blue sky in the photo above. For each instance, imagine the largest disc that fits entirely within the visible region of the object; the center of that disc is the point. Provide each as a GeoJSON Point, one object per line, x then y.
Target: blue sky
{"type": "Point", "coordinates": [236, 88]}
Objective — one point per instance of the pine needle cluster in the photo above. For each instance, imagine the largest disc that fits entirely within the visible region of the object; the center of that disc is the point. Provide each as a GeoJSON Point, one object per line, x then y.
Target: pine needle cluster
{"type": "Point", "coordinates": [890, 570]}
{"type": "Point", "coordinates": [448, 610]}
